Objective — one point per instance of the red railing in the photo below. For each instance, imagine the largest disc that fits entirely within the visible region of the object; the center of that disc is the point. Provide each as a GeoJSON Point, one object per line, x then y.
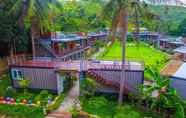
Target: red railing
{"type": "Point", "coordinates": [128, 66]}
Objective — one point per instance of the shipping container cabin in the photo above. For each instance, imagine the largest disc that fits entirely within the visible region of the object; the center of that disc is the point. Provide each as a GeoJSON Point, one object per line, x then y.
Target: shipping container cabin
{"type": "Point", "coordinates": [42, 75]}
{"type": "Point", "coordinates": [57, 76]}
{"type": "Point", "coordinates": [176, 72]}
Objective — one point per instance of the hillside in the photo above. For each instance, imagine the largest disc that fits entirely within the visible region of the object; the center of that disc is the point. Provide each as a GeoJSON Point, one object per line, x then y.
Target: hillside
{"type": "Point", "coordinates": [172, 14]}
{"type": "Point", "coordinates": [170, 20]}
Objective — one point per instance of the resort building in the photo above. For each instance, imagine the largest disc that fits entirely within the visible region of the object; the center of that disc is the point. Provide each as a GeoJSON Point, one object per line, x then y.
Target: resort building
{"type": "Point", "coordinates": [146, 35]}
{"type": "Point", "coordinates": [176, 71]}
{"type": "Point", "coordinates": [170, 43]}
{"type": "Point", "coordinates": [63, 47]}
{"type": "Point", "coordinates": [57, 76]}
{"type": "Point", "coordinates": [180, 53]}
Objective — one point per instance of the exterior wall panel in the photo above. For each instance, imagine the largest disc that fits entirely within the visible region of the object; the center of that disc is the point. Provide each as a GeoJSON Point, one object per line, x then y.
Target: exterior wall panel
{"type": "Point", "coordinates": [180, 85]}
{"type": "Point", "coordinates": [132, 78]}
{"type": "Point", "coordinates": [40, 78]}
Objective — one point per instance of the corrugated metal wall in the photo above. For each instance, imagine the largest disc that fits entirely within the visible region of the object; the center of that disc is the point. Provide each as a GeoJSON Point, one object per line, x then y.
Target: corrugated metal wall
{"type": "Point", "coordinates": [132, 78]}
{"type": "Point", "coordinates": [179, 85]}
{"type": "Point", "coordinates": [40, 78]}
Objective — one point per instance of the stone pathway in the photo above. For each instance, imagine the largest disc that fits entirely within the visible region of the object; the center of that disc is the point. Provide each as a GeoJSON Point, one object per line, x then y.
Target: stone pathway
{"type": "Point", "coordinates": [71, 100]}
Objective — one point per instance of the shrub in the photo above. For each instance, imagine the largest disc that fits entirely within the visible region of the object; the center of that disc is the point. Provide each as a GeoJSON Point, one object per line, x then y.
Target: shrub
{"type": "Point", "coordinates": [10, 92]}
{"type": "Point", "coordinates": [56, 104]}
{"type": "Point", "coordinates": [88, 87]}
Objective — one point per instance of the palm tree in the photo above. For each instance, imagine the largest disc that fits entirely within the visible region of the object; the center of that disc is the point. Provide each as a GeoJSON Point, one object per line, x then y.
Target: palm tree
{"type": "Point", "coordinates": [35, 12]}
{"type": "Point", "coordinates": [119, 10]}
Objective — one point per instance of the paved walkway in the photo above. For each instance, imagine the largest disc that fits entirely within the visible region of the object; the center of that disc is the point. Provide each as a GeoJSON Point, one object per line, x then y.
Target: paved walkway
{"type": "Point", "coordinates": [71, 99]}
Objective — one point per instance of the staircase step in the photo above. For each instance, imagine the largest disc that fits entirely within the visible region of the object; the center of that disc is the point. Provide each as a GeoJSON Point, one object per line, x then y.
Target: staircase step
{"type": "Point", "coordinates": [60, 114]}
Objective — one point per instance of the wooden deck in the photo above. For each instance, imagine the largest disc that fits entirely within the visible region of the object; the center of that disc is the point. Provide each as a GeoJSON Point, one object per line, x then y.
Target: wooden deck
{"type": "Point", "coordinates": [171, 68]}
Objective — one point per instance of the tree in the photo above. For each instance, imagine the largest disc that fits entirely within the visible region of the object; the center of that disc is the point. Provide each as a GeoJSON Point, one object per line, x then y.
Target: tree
{"type": "Point", "coordinates": [11, 36]}
{"type": "Point", "coordinates": [33, 14]}
{"type": "Point", "coordinates": [98, 44]}
{"type": "Point", "coordinates": [182, 28]}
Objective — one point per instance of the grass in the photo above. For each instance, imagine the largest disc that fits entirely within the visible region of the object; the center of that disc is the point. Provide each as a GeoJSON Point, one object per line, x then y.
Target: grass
{"type": "Point", "coordinates": [20, 111]}
{"type": "Point", "coordinates": [142, 52]}
{"type": "Point", "coordinates": [4, 83]}
{"type": "Point", "coordinates": [106, 108]}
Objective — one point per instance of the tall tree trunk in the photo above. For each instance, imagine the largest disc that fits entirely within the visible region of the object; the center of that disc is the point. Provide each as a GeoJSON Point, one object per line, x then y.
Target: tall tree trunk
{"type": "Point", "coordinates": [24, 12]}
{"type": "Point", "coordinates": [35, 34]}
{"type": "Point", "coordinates": [115, 22]}
{"type": "Point", "coordinates": [137, 27]}
{"type": "Point", "coordinates": [33, 46]}
{"type": "Point", "coordinates": [124, 29]}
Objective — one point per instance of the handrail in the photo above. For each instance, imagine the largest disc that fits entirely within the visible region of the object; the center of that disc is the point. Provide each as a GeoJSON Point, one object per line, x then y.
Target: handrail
{"type": "Point", "coordinates": [127, 66]}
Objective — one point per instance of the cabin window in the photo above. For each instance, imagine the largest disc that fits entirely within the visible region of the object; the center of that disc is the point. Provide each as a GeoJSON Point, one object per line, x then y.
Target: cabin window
{"type": "Point", "coordinates": [17, 74]}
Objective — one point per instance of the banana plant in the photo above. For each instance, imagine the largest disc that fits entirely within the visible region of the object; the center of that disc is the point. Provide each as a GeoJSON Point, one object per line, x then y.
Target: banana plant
{"type": "Point", "coordinates": [162, 96]}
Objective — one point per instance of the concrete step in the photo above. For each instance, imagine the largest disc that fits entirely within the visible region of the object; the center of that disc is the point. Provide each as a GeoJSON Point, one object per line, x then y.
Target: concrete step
{"type": "Point", "coordinates": [59, 114]}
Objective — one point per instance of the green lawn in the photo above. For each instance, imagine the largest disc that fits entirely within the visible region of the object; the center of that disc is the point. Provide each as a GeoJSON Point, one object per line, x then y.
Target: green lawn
{"type": "Point", "coordinates": [20, 111]}
{"type": "Point", "coordinates": [106, 108]}
{"type": "Point", "coordinates": [141, 52]}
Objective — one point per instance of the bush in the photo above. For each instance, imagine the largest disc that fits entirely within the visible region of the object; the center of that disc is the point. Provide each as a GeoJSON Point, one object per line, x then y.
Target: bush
{"type": "Point", "coordinates": [88, 87]}
{"type": "Point", "coordinates": [56, 104]}
{"type": "Point", "coordinates": [10, 92]}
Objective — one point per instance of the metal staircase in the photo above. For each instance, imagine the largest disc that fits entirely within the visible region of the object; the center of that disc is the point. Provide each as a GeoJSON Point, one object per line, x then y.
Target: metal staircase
{"type": "Point", "coordinates": [108, 83]}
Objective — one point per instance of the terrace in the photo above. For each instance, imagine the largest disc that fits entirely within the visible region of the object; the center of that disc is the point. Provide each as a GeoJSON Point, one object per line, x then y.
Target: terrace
{"type": "Point", "coordinates": [77, 65]}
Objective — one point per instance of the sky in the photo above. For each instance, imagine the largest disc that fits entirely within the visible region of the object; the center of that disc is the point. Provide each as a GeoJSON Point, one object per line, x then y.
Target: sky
{"type": "Point", "coordinates": [184, 1]}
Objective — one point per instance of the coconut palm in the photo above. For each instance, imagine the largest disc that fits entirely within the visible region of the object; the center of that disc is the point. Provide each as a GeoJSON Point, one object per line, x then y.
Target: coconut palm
{"type": "Point", "coordinates": [119, 11]}
{"type": "Point", "coordinates": [33, 14]}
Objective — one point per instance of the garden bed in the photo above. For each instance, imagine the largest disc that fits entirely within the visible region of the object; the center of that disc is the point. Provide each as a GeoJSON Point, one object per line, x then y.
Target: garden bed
{"type": "Point", "coordinates": [17, 99]}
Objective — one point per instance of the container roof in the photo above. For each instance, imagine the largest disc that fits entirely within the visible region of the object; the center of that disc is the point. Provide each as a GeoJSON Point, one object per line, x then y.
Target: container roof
{"type": "Point", "coordinates": [181, 72]}
{"type": "Point", "coordinates": [171, 68]}
{"type": "Point", "coordinates": [181, 49]}
{"type": "Point", "coordinates": [61, 37]}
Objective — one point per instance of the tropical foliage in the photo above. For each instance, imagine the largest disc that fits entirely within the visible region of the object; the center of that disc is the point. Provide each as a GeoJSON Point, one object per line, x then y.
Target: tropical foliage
{"type": "Point", "coordinates": [161, 96]}
{"type": "Point", "coordinates": [88, 87]}
{"type": "Point", "coordinates": [107, 108]}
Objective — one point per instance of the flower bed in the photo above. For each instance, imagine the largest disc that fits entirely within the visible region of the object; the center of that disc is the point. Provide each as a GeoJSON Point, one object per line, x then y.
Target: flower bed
{"type": "Point", "coordinates": [13, 101]}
